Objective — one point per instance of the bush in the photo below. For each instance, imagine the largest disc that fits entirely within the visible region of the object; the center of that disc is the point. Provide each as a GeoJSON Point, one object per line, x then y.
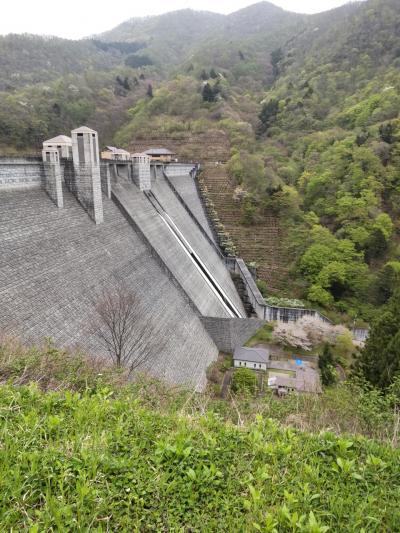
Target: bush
{"type": "Point", "coordinates": [244, 381]}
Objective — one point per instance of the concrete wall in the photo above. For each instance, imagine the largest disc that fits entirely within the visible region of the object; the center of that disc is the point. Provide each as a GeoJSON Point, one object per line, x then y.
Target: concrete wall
{"type": "Point", "coordinates": [229, 333]}
{"type": "Point", "coordinates": [52, 175]}
{"type": "Point", "coordinates": [179, 169]}
{"type": "Point", "coordinates": [246, 364]}
{"type": "Point", "coordinates": [105, 176]}
{"type": "Point", "coordinates": [53, 262]}
{"type": "Point", "coordinates": [20, 173]}
{"type": "Point", "coordinates": [186, 188]}
{"type": "Point", "coordinates": [142, 213]}
{"type": "Point", "coordinates": [141, 172]}
{"type": "Point", "coordinates": [200, 244]}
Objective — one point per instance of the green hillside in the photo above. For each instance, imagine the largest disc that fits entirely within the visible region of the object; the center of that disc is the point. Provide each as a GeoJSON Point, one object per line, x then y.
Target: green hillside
{"type": "Point", "coordinates": [314, 140]}
{"type": "Point", "coordinates": [310, 105]}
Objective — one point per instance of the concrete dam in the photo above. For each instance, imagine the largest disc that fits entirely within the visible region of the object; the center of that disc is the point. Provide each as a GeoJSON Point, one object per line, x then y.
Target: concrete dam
{"type": "Point", "coordinates": [71, 226]}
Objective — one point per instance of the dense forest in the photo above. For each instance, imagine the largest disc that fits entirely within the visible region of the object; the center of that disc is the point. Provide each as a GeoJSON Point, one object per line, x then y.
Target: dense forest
{"type": "Point", "coordinates": [310, 105]}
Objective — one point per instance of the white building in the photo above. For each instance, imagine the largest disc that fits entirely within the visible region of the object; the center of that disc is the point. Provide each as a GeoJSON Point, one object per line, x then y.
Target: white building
{"type": "Point", "coordinates": [62, 143]}
{"type": "Point", "coordinates": [254, 358]}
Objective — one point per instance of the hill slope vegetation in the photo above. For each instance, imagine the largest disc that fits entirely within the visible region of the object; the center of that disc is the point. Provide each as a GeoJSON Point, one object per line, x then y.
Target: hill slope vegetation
{"type": "Point", "coordinates": [310, 105]}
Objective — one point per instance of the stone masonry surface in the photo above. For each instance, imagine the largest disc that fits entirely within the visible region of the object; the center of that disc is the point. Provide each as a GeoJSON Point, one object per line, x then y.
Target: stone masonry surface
{"type": "Point", "coordinates": [53, 262]}
{"type": "Point", "coordinates": [159, 236]}
{"type": "Point", "coordinates": [20, 173]}
{"type": "Point", "coordinates": [186, 187]}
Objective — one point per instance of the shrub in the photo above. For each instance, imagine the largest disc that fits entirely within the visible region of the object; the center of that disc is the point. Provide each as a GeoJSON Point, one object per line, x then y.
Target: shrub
{"type": "Point", "coordinates": [244, 381]}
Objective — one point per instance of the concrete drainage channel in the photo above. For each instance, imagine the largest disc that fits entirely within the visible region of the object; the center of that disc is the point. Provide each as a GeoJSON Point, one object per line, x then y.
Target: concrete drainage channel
{"type": "Point", "coordinates": [211, 281]}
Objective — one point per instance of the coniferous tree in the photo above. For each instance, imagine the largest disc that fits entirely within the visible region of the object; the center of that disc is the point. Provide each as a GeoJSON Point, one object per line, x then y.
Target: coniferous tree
{"type": "Point", "coordinates": [268, 114]}
{"type": "Point", "coordinates": [213, 74]}
{"type": "Point", "coordinates": [326, 364]}
{"type": "Point", "coordinates": [387, 133]}
{"type": "Point", "coordinates": [276, 57]}
{"type": "Point", "coordinates": [379, 361]}
{"type": "Point", "coordinates": [149, 91]}
{"type": "Point", "coordinates": [208, 93]}
{"type": "Point", "coordinates": [204, 76]}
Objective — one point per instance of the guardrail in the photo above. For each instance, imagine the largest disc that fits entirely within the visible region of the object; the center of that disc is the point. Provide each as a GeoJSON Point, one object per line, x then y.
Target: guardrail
{"type": "Point", "coordinates": [261, 308]}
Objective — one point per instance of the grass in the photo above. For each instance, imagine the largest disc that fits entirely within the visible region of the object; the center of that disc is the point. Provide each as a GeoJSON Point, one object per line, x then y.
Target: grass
{"type": "Point", "coordinates": [95, 462]}
{"type": "Point", "coordinates": [263, 335]}
{"type": "Point", "coordinates": [84, 450]}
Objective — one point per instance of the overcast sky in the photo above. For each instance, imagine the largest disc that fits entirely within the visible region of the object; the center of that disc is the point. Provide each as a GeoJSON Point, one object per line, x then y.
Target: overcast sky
{"type": "Point", "coordinates": [78, 18]}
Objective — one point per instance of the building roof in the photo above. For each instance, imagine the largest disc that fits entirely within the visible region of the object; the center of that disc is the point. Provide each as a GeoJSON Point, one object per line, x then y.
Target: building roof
{"type": "Point", "coordinates": [83, 129]}
{"type": "Point", "coordinates": [158, 151]}
{"type": "Point", "coordinates": [306, 380]}
{"type": "Point", "coordinates": [115, 150]}
{"type": "Point", "coordinates": [59, 139]}
{"type": "Point", "coordinates": [283, 381]}
{"type": "Point", "coordinates": [251, 355]}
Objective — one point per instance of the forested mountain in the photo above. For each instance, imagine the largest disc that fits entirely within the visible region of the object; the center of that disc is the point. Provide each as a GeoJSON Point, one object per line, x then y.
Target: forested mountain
{"type": "Point", "coordinates": [167, 39]}
{"type": "Point", "coordinates": [310, 105]}
{"type": "Point", "coordinates": [30, 59]}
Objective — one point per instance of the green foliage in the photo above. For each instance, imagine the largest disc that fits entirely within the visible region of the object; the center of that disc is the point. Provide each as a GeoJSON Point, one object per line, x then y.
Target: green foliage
{"type": "Point", "coordinates": [276, 57]}
{"type": "Point", "coordinates": [262, 287]}
{"type": "Point", "coordinates": [379, 361]}
{"type": "Point", "coordinates": [263, 335]}
{"type": "Point", "coordinates": [209, 93]}
{"type": "Point", "coordinates": [326, 365]}
{"type": "Point", "coordinates": [248, 170]}
{"type": "Point", "coordinates": [149, 91]}
{"type": "Point", "coordinates": [284, 302]}
{"type": "Point", "coordinates": [268, 114]}
{"type": "Point", "coordinates": [249, 211]}
{"type": "Point", "coordinates": [68, 458]}
{"type": "Point", "coordinates": [244, 380]}
{"type": "Point", "coordinates": [137, 61]}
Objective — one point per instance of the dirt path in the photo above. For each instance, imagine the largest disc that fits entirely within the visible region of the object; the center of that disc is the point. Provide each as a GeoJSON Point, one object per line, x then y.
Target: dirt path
{"type": "Point", "coordinates": [226, 382]}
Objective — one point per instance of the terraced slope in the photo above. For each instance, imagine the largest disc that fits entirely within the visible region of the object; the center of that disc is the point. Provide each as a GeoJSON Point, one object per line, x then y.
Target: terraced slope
{"type": "Point", "coordinates": [261, 243]}
{"type": "Point", "coordinates": [202, 147]}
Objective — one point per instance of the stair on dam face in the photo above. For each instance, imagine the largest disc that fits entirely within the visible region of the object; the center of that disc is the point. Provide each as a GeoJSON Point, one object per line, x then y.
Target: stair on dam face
{"type": "Point", "coordinates": [192, 233]}
{"type": "Point", "coordinates": [171, 252]}
{"type": "Point", "coordinates": [186, 188]}
{"type": "Point", "coordinates": [197, 261]}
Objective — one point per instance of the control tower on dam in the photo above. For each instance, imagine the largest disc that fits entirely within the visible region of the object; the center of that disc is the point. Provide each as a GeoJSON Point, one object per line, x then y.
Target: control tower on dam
{"type": "Point", "coordinates": [71, 227]}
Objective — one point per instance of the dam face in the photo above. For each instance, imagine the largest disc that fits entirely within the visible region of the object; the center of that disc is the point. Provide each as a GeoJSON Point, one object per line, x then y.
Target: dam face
{"type": "Point", "coordinates": [57, 255]}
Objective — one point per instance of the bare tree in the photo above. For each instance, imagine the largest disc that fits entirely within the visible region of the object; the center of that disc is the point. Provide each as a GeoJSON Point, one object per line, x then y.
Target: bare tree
{"type": "Point", "coordinates": [116, 323]}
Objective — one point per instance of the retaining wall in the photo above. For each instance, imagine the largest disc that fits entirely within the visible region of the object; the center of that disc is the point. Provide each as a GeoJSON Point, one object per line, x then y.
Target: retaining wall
{"type": "Point", "coordinates": [230, 333]}
{"type": "Point", "coordinates": [21, 173]}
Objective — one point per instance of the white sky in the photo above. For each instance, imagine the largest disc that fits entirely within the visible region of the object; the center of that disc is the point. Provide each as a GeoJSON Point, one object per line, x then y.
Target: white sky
{"type": "Point", "coordinates": [78, 18]}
